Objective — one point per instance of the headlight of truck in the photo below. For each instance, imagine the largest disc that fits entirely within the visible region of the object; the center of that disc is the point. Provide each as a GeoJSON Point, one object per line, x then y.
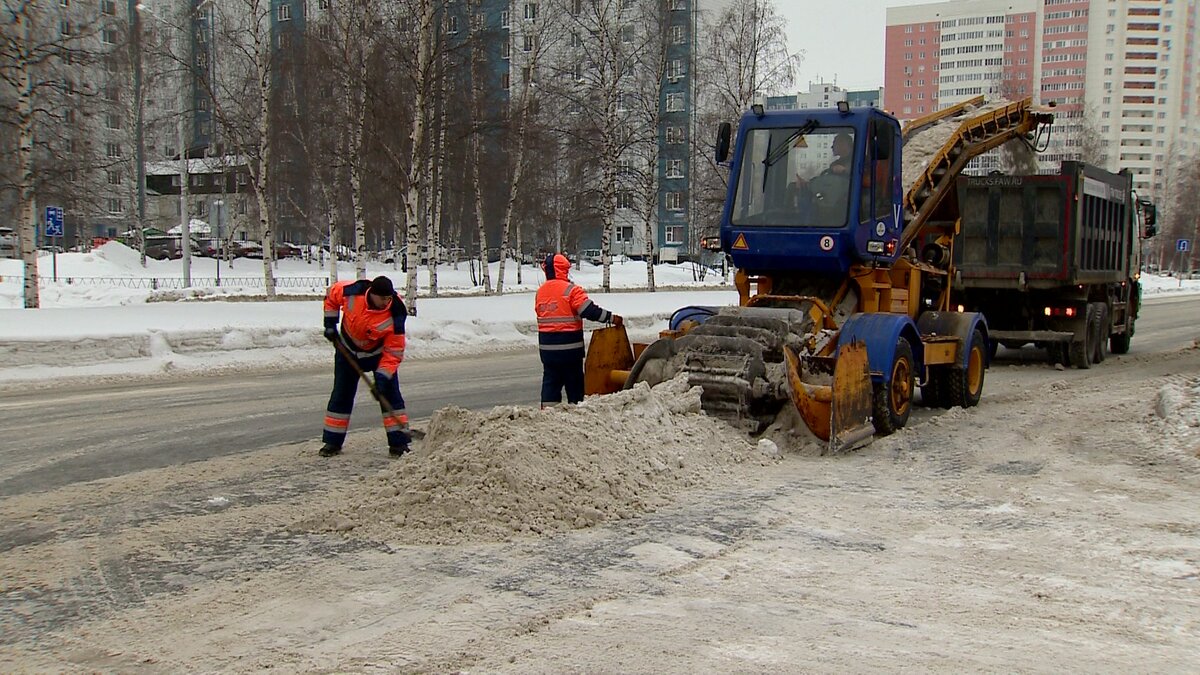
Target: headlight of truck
{"type": "Point", "coordinates": [875, 247]}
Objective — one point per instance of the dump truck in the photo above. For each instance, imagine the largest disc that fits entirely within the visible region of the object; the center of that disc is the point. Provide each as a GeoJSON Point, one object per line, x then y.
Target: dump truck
{"type": "Point", "coordinates": [840, 317]}
{"type": "Point", "coordinates": [1053, 260]}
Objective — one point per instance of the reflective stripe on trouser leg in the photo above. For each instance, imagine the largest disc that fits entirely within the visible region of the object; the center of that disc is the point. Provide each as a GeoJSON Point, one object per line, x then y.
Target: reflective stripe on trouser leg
{"type": "Point", "coordinates": [341, 401]}
{"type": "Point", "coordinates": [395, 424]}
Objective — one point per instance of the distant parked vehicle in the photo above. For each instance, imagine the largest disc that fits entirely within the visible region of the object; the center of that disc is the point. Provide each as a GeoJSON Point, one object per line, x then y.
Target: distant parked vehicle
{"type": "Point", "coordinates": [8, 243]}
{"type": "Point", "coordinates": [246, 249]}
{"type": "Point", "coordinates": [286, 250]}
{"type": "Point", "coordinates": [592, 255]}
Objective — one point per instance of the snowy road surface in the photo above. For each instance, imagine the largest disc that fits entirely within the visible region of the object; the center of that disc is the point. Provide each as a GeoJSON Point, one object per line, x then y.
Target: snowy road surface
{"type": "Point", "coordinates": [1052, 528]}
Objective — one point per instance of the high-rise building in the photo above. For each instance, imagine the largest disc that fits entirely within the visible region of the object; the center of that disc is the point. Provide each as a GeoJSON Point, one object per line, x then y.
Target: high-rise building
{"type": "Point", "coordinates": [1121, 73]}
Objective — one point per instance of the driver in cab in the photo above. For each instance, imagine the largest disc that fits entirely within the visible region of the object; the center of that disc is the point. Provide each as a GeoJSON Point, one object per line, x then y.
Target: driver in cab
{"type": "Point", "coordinates": [827, 192]}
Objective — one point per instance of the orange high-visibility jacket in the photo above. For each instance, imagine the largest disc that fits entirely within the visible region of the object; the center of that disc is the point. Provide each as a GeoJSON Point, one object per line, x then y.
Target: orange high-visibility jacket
{"type": "Point", "coordinates": [562, 306]}
{"type": "Point", "coordinates": [365, 331]}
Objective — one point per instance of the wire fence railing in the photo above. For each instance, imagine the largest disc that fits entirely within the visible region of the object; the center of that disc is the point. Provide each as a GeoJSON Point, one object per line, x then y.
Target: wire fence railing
{"type": "Point", "coordinates": [176, 283]}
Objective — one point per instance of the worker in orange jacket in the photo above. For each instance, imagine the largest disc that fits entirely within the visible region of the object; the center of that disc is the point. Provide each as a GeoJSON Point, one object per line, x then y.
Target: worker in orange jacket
{"type": "Point", "coordinates": [372, 331]}
{"type": "Point", "coordinates": [561, 307]}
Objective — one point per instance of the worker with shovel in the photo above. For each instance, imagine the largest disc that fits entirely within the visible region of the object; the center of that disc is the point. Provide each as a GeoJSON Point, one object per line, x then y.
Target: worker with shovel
{"type": "Point", "coordinates": [371, 339]}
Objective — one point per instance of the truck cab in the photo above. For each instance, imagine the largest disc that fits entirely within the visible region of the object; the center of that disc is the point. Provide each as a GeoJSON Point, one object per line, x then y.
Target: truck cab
{"type": "Point", "coordinates": [813, 191]}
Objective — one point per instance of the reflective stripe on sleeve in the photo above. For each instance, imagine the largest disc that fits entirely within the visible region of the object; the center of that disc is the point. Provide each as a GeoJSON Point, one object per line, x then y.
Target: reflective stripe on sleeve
{"type": "Point", "coordinates": [385, 324]}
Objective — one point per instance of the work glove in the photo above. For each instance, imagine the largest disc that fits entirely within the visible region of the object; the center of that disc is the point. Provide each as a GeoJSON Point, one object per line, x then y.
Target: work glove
{"type": "Point", "coordinates": [618, 320]}
{"type": "Point", "coordinates": [331, 334]}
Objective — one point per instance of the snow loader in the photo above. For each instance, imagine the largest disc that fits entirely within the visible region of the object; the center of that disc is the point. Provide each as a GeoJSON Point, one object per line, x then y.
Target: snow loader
{"type": "Point", "coordinates": [841, 226]}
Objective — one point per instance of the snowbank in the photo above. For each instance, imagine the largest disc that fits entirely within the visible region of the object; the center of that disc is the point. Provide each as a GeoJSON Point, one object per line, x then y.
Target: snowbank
{"type": "Point", "coordinates": [483, 477]}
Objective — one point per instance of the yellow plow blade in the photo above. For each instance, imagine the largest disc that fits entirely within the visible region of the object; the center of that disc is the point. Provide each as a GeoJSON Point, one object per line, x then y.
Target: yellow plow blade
{"type": "Point", "coordinates": [839, 414]}
{"type": "Point", "coordinates": [609, 358]}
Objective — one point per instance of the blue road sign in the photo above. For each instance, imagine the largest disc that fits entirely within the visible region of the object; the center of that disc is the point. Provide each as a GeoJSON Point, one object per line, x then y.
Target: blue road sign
{"type": "Point", "coordinates": [1182, 245]}
{"type": "Point", "coordinates": [54, 221]}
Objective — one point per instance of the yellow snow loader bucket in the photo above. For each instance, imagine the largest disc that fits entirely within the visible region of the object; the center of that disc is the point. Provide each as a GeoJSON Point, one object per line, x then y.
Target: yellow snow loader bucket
{"type": "Point", "coordinates": [838, 413]}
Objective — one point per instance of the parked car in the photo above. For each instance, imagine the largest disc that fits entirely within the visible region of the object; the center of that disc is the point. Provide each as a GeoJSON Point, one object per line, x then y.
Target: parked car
{"type": "Point", "coordinates": [286, 250]}
{"type": "Point", "coordinates": [8, 243]}
{"type": "Point", "coordinates": [592, 255]}
{"type": "Point", "coordinates": [246, 249]}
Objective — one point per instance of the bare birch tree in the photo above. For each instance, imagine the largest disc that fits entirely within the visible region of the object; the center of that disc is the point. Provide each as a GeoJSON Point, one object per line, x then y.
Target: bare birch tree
{"type": "Point", "coordinates": [242, 99]}
{"type": "Point", "coordinates": [42, 45]}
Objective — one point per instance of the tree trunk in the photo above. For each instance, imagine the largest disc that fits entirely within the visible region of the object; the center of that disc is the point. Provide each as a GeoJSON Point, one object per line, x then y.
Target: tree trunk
{"type": "Point", "coordinates": [262, 57]}
{"type": "Point", "coordinates": [27, 206]}
{"type": "Point", "coordinates": [416, 166]}
{"type": "Point", "coordinates": [356, 112]}
{"type": "Point", "coordinates": [476, 153]}
{"type": "Point", "coordinates": [518, 173]}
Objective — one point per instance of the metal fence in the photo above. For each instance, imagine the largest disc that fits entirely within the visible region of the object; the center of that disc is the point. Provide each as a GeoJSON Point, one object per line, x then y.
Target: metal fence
{"type": "Point", "coordinates": [165, 283]}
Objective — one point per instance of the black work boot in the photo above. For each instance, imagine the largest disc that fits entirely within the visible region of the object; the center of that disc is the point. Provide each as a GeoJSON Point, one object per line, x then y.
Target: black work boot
{"type": "Point", "coordinates": [398, 450]}
{"type": "Point", "coordinates": [329, 450]}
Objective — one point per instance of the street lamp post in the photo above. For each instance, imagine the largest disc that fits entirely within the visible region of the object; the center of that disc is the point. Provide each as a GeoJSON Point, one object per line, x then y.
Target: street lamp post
{"type": "Point", "coordinates": [218, 205]}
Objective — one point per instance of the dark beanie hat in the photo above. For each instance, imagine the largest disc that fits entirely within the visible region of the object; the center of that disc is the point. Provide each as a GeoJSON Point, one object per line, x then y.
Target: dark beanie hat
{"type": "Point", "coordinates": [382, 286]}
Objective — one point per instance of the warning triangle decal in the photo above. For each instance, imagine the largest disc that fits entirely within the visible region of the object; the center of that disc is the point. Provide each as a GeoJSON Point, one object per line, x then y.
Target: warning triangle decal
{"type": "Point", "coordinates": [740, 243]}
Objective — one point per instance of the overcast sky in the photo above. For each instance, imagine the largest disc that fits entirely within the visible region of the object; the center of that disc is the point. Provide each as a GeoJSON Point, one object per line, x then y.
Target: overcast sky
{"type": "Point", "coordinates": [842, 39]}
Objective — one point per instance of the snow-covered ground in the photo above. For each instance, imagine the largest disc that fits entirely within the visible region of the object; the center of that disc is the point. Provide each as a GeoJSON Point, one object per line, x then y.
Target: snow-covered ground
{"type": "Point", "coordinates": [121, 327]}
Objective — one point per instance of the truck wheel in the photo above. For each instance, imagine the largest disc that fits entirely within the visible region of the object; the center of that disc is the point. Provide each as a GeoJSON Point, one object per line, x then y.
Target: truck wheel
{"type": "Point", "coordinates": [1082, 351]}
{"type": "Point", "coordinates": [1102, 330]}
{"type": "Point", "coordinates": [1119, 343]}
{"type": "Point", "coordinates": [966, 382]}
{"type": "Point", "coordinates": [893, 399]}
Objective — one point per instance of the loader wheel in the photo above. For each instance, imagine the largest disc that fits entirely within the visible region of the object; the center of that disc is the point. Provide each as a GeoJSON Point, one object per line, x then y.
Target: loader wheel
{"type": "Point", "coordinates": [1102, 329]}
{"type": "Point", "coordinates": [893, 399]}
{"type": "Point", "coordinates": [966, 382]}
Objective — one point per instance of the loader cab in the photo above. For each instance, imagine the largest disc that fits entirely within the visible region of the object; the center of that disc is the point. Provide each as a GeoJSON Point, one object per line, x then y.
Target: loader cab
{"type": "Point", "coordinates": [813, 190]}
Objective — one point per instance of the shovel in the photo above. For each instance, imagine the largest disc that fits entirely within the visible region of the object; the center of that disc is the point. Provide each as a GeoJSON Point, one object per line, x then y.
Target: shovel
{"type": "Point", "coordinates": [414, 434]}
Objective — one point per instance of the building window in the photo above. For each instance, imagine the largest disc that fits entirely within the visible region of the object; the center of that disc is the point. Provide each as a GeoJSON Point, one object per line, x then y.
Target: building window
{"type": "Point", "coordinates": [675, 102]}
{"type": "Point", "coordinates": [673, 234]}
{"type": "Point", "coordinates": [285, 12]}
{"type": "Point", "coordinates": [674, 135]}
{"type": "Point", "coordinates": [505, 81]}
{"type": "Point", "coordinates": [675, 201]}
{"type": "Point", "coordinates": [112, 121]}
{"type": "Point", "coordinates": [114, 177]}
{"type": "Point", "coordinates": [505, 49]}
{"type": "Point", "coordinates": [526, 43]}
{"type": "Point", "coordinates": [531, 11]}
{"type": "Point", "coordinates": [112, 150]}
{"type": "Point", "coordinates": [504, 19]}
{"type": "Point", "coordinates": [678, 5]}
{"type": "Point", "coordinates": [676, 35]}
{"type": "Point", "coordinates": [675, 69]}
{"type": "Point", "coordinates": [108, 7]}
{"type": "Point", "coordinates": [674, 168]}
{"type": "Point", "coordinates": [453, 27]}
{"type": "Point", "coordinates": [115, 206]}
{"type": "Point", "coordinates": [624, 199]}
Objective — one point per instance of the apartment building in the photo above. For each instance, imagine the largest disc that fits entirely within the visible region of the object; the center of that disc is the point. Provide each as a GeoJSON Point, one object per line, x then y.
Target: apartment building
{"type": "Point", "coordinates": [826, 95]}
{"type": "Point", "coordinates": [1121, 73]}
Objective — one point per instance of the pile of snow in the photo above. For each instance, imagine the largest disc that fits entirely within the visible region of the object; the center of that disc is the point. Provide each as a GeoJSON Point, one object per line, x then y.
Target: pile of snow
{"type": "Point", "coordinates": [1177, 409]}
{"type": "Point", "coordinates": [921, 146]}
{"type": "Point", "coordinates": [518, 470]}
